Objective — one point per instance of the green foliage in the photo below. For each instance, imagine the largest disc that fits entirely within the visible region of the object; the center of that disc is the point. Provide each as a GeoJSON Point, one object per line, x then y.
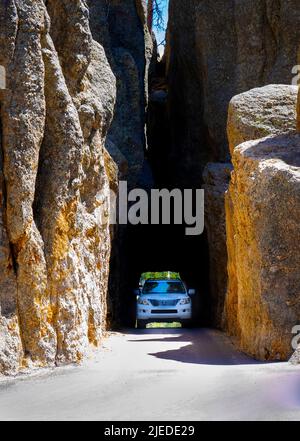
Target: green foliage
{"type": "Point", "coordinates": [164, 325]}
{"type": "Point", "coordinates": [159, 275]}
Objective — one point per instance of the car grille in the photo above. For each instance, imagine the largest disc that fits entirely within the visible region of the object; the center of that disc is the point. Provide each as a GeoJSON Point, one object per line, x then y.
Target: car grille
{"type": "Point", "coordinates": [164, 311]}
{"type": "Point", "coordinates": [164, 302]}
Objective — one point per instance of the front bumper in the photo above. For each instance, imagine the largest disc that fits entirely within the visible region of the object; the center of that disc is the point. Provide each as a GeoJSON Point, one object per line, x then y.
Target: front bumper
{"type": "Point", "coordinates": [179, 312]}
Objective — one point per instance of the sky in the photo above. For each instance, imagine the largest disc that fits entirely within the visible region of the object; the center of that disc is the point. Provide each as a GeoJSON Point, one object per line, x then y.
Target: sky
{"type": "Point", "coordinates": [160, 35]}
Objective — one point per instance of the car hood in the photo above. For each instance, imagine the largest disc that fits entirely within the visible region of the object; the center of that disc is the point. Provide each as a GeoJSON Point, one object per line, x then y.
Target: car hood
{"type": "Point", "coordinates": [164, 296]}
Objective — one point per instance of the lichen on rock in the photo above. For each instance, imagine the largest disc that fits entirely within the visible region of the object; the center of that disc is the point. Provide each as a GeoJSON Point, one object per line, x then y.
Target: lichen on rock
{"type": "Point", "coordinates": [55, 180]}
{"type": "Point", "coordinates": [262, 208]}
{"type": "Point", "coordinates": [263, 111]}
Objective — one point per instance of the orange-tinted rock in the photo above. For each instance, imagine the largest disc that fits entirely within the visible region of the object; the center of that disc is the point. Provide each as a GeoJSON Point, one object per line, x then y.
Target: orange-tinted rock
{"type": "Point", "coordinates": [55, 180]}
{"type": "Point", "coordinates": [263, 209]}
{"type": "Point", "coordinates": [268, 110]}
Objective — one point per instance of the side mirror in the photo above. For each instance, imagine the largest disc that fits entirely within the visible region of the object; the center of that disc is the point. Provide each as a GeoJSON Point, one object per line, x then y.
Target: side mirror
{"type": "Point", "coordinates": [137, 292]}
{"type": "Point", "coordinates": [192, 292]}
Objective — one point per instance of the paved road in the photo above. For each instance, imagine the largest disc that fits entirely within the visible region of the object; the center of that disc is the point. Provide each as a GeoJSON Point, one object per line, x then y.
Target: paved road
{"type": "Point", "coordinates": [168, 374]}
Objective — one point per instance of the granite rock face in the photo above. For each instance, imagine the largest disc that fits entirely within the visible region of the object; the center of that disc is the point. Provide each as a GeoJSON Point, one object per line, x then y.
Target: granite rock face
{"type": "Point", "coordinates": [262, 205]}
{"type": "Point", "coordinates": [216, 50]}
{"type": "Point", "coordinates": [55, 180]}
{"type": "Point", "coordinates": [269, 110]}
{"type": "Point", "coordinates": [120, 26]}
{"type": "Point", "coordinates": [216, 179]}
{"type": "Point", "coordinates": [298, 112]}
{"type": "Point", "coordinates": [262, 223]}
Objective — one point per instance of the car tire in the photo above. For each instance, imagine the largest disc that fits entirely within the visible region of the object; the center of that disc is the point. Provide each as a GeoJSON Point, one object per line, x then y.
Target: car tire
{"type": "Point", "coordinates": [141, 324]}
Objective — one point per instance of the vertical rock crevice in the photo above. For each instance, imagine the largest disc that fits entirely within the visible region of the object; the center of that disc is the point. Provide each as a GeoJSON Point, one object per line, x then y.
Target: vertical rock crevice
{"type": "Point", "coordinates": [122, 31]}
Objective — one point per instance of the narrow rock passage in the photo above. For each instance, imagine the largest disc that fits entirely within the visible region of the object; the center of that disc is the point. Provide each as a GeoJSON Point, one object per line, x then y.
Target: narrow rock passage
{"type": "Point", "coordinates": [159, 374]}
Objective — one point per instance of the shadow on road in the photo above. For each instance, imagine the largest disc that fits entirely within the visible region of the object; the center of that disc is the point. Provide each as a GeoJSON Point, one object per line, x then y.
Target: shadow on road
{"type": "Point", "coordinates": [199, 346]}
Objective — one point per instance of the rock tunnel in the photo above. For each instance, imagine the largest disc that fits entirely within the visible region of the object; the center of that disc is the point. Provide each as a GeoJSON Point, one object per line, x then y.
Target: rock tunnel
{"type": "Point", "coordinates": [190, 142]}
{"type": "Point", "coordinates": [87, 104]}
{"type": "Point", "coordinates": [158, 248]}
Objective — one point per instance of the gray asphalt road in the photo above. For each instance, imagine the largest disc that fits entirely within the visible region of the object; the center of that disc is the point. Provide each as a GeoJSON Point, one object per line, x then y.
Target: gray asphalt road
{"type": "Point", "coordinates": [168, 374]}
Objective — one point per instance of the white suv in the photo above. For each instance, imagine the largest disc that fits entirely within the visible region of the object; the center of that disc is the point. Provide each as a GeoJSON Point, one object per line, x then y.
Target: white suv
{"type": "Point", "coordinates": [164, 300]}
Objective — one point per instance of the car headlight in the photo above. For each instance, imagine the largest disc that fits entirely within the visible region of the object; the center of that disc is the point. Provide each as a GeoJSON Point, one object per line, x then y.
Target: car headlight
{"type": "Point", "coordinates": [143, 302]}
{"type": "Point", "coordinates": [185, 301]}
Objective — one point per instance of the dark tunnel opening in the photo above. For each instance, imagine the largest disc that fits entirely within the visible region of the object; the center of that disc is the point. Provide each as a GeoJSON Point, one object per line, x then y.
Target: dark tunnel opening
{"type": "Point", "coordinates": [156, 248]}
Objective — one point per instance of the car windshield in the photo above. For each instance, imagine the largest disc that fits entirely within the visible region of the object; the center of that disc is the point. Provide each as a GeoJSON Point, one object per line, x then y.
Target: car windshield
{"type": "Point", "coordinates": [164, 287]}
